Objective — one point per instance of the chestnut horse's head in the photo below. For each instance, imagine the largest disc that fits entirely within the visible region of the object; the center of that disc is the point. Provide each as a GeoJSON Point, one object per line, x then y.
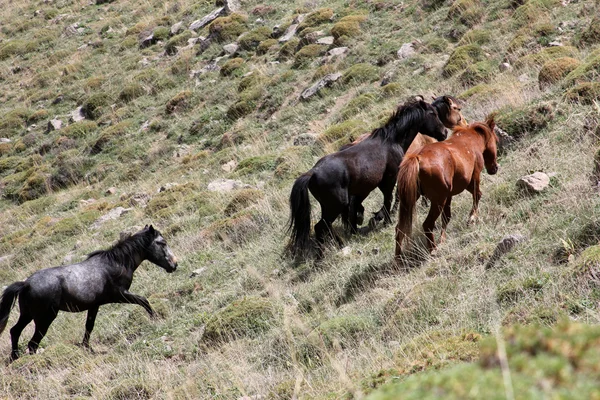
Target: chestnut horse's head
{"type": "Point", "coordinates": [490, 158]}
{"type": "Point", "coordinates": [449, 110]}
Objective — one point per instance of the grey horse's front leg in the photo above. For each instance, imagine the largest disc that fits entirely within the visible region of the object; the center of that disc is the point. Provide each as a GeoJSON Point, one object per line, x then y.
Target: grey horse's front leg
{"type": "Point", "coordinates": [131, 298]}
{"type": "Point", "coordinates": [89, 326]}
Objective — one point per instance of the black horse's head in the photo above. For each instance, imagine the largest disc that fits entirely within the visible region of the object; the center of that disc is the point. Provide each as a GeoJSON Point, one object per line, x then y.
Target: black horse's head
{"type": "Point", "coordinates": [431, 124]}
{"type": "Point", "coordinates": [158, 251]}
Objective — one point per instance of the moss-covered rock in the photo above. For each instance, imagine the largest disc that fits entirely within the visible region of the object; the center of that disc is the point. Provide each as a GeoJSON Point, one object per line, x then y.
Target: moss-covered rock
{"type": "Point", "coordinates": [177, 41]}
{"type": "Point", "coordinates": [227, 29]}
{"type": "Point", "coordinates": [249, 316]}
{"type": "Point", "coordinates": [358, 104]}
{"type": "Point", "coordinates": [461, 58]}
{"type": "Point", "coordinates": [360, 73]}
{"type": "Point", "coordinates": [307, 53]}
{"type": "Point", "coordinates": [479, 72]}
{"type": "Point", "coordinates": [16, 47]}
{"type": "Point", "coordinates": [345, 330]}
{"type": "Point", "coordinates": [131, 92]}
{"type": "Point", "coordinates": [266, 46]}
{"type": "Point", "coordinates": [255, 164]}
{"type": "Point", "coordinates": [161, 33]}
{"type": "Point", "coordinates": [532, 11]}
{"type": "Point", "coordinates": [179, 102]}
{"type": "Point", "coordinates": [347, 130]}
{"type": "Point", "coordinates": [479, 37]}
{"type": "Point", "coordinates": [584, 93]}
{"type": "Point", "coordinates": [588, 71]}
{"type": "Point", "coordinates": [435, 45]}
{"type": "Point", "coordinates": [467, 12]}
{"type": "Point", "coordinates": [525, 120]}
{"type": "Point", "coordinates": [349, 26]}
{"type": "Point", "coordinates": [288, 49]}
{"type": "Point", "coordinates": [109, 135]}
{"type": "Point", "coordinates": [252, 39]}
{"type": "Point", "coordinates": [554, 71]}
{"type": "Point", "coordinates": [242, 200]}
{"type": "Point", "coordinates": [316, 18]}
{"type": "Point", "coordinates": [94, 105]}
{"type": "Point", "coordinates": [231, 66]}
{"type": "Point", "coordinates": [79, 129]}
{"type": "Point", "coordinates": [544, 55]}
{"type": "Point", "coordinates": [592, 34]}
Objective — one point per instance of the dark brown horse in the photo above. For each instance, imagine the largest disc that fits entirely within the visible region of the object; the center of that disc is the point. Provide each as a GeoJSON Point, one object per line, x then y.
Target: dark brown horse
{"type": "Point", "coordinates": [442, 170]}
{"type": "Point", "coordinates": [342, 180]}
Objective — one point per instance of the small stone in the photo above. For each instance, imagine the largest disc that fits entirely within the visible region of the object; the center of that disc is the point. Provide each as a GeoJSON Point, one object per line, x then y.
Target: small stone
{"type": "Point", "coordinates": [197, 272]}
{"type": "Point", "coordinates": [5, 140]}
{"type": "Point", "coordinates": [54, 125]}
{"type": "Point", "coordinates": [229, 166]}
{"type": "Point", "coordinates": [327, 40]}
{"type": "Point", "coordinates": [77, 115]}
{"type": "Point", "coordinates": [555, 43]}
{"type": "Point", "coordinates": [58, 99]}
{"type": "Point", "coordinates": [138, 200]}
{"type": "Point", "coordinates": [327, 80]}
{"type": "Point", "coordinates": [291, 30]}
{"type": "Point", "coordinates": [110, 191]}
{"type": "Point", "coordinates": [505, 67]}
{"type": "Point", "coordinates": [503, 247]}
{"type": "Point", "coordinates": [175, 28]}
{"type": "Point", "coordinates": [305, 139]}
{"type": "Point", "coordinates": [231, 48]}
{"type": "Point", "coordinates": [534, 183]}
{"type": "Point", "coordinates": [147, 40]}
{"type": "Point", "coordinates": [167, 186]}
{"type": "Point", "coordinates": [112, 214]}
{"type": "Point", "coordinates": [346, 251]}
{"type": "Point", "coordinates": [523, 78]}
{"type": "Point", "coordinates": [407, 50]}
{"type": "Point", "coordinates": [201, 23]}
{"type": "Point", "coordinates": [226, 185]}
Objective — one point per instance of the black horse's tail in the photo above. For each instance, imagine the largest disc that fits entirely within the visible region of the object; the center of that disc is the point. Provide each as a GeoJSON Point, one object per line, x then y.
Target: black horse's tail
{"type": "Point", "coordinates": [8, 300]}
{"type": "Point", "coordinates": [299, 225]}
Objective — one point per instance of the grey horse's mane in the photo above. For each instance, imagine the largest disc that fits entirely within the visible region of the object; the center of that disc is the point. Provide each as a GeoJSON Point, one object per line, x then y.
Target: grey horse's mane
{"type": "Point", "coordinates": [128, 245]}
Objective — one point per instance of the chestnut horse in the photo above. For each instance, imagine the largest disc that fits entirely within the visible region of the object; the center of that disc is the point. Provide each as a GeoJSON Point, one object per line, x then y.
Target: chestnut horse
{"type": "Point", "coordinates": [442, 170]}
{"type": "Point", "coordinates": [342, 180]}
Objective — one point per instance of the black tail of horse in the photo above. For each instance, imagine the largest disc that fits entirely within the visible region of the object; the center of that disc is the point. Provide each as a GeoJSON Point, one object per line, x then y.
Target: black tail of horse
{"type": "Point", "coordinates": [299, 225]}
{"type": "Point", "coordinates": [8, 300]}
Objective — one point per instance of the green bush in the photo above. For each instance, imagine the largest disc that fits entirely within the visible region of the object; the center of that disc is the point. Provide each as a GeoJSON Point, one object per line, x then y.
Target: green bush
{"type": "Point", "coordinates": [249, 316]}
{"type": "Point", "coordinates": [178, 102]}
{"type": "Point", "coordinates": [467, 12]}
{"type": "Point", "coordinates": [592, 34]}
{"type": "Point", "coordinates": [316, 18]}
{"type": "Point", "coordinates": [348, 26]}
{"type": "Point", "coordinates": [256, 164]}
{"type": "Point", "coordinates": [461, 58]}
{"type": "Point", "coordinates": [360, 73]}
{"type": "Point", "coordinates": [589, 71]}
{"type": "Point", "coordinates": [479, 72]}
{"type": "Point", "coordinates": [252, 39]}
{"type": "Point", "coordinates": [345, 330]}
{"type": "Point", "coordinates": [177, 40]}
{"type": "Point", "coordinates": [243, 199]}
{"type": "Point", "coordinates": [554, 71]}
{"type": "Point", "coordinates": [109, 135]}
{"type": "Point", "coordinates": [584, 93]}
{"type": "Point", "coordinates": [131, 92]}
{"type": "Point", "coordinates": [227, 29]}
{"type": "Point", "coordinates": [93, 106]}
{"type": "Point", "coordinates": [532, 11]}
{"type": "Point", "coordinates": [525, 120]}
{"type": "Point", "coordinates": [307, 53]}
{"type": "Point", "coordinates": [549, 53]}
{"type": "Point", "coordinates": [358, 104]}
{"type": "Point", "coordinates": [476, 36]}
{"type": "Point", "coordinates": [79, 129]}
{"type": "Point", "coordinates": [288, 49]}
{"type": "Point", "coordinates": [266, 45]}
{"type": "Point", "coordinates": [232, 66]}
{"type": "Point", "coordinates": [16, 47]}
{"type": "Point", "coordinates": [348, 130]}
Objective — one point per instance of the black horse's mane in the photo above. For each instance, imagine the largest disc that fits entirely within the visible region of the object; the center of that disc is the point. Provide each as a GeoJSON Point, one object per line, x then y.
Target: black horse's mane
{"type": "Point", "coordinates": [406, 115]}
{"type": "Point", "coordinates": [122, 252]}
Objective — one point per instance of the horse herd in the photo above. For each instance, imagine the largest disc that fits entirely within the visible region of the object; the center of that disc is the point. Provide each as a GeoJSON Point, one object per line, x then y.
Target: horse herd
{"type": "Point", "coordinates": [397, 152]}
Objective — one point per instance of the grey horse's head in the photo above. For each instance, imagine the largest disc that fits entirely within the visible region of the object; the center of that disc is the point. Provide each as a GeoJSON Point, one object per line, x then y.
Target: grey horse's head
{"type": "Point", "coordinates": [158, 252]}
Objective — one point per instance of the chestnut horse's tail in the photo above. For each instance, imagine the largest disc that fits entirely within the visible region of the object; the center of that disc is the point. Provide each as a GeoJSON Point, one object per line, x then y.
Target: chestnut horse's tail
{"type": "Point", "coordinates": [408, 191]}
{"type": "Point", "coordinates": [299, 224]}
{"type": "Point", "coordinates": [8, 300]}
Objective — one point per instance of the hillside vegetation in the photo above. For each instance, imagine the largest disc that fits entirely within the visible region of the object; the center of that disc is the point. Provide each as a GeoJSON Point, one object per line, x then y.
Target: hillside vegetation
{"type": "Point", "coordinates": [168, 110]}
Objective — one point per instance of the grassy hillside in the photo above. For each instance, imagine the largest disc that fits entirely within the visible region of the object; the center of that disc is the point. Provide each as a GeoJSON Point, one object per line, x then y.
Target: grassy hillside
{"type": "Point", "coordinates": [168, 108]}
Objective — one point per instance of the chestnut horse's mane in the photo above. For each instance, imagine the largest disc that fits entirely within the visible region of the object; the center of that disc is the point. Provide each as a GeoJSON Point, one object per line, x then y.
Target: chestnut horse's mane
{"type": "Point", "coordinates": [485, 129]}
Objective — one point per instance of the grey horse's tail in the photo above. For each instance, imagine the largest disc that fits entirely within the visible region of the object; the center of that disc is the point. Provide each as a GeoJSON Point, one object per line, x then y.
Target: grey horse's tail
{"type": "Point", "coordinates": [299, 224]}
{"type": "Point", "coordinates": [8, 300]}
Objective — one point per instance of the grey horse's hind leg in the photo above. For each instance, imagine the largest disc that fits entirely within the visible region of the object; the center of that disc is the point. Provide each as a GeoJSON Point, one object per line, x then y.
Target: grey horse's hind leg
{"type": "Point", "coordinates": [15, 333]}
{"type": "Point", "coordinates": [89, 326]}
{"type": "Point", "coordinates": [41, 327]}
{"type": "Point", "coordinates": [131, 298]}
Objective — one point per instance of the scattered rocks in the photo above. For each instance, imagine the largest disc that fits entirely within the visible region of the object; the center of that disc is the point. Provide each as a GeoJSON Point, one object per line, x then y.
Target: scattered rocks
{"type": "Point", "coordinates": [305, 139]}
{"type": "Point", "coordinates": [54, 125]}
{"type": "Point", "coordinates": [407, 50]}
{"type": "Point", "coordinates": [231, 48]}
{"type": "Point", "coordinates": [505, 67]}
{"type": "Point", "coordinates": [167, 186]}
{"type": "Point", "coordinates": [226, 185]}
{"type": "Point", "coordinates": [503, 247]}
{"type": "Point", "coordinates": [138, 199]}
{"type": "Point", "coordinates": [201, 23]}
{"type": "Point", "coordinates": [147, 39]}
{"type": "Point", "coordinates": [176, 28]}
{"type": "Point", "coordinates": [291, 30]}
{"type": "Point", "coordinates": [197, 272]}
{"type": "Point", "coordinates": [112, 214]}
{"type": "Point", "coordinates": [314, 89]}
{"type": "Point", "coordinates": [111, 191]}
{"type": "Point", "coordinates": [327, 40]}
{"type": "Point", "coordinates": [71, 30]}
{"type": "Point", "coordinates": [77, 115]}
{"type": "Point", "coordinates": [534, 183]}
{"type": "Point", "coordinates": [229, 166]}
{"type": "Point", "coordinates": [5, 140]}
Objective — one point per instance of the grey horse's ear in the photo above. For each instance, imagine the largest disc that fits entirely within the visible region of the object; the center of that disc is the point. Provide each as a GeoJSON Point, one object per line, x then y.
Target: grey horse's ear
{"type": "Point", "coordinates": [151, 229]}
{"type": "Point", "coordinates": [146, 227]}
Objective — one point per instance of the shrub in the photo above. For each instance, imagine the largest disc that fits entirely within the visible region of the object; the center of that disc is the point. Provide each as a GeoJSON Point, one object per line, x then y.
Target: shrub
{"type": "Point", "coordinates": [252, 39]}
{"type": "Point", "coordinates": [307, 53]}
{"type": "Point", "coordinates": [177, 40]}
{"type": "Point", "coordinates": [358, 104]}
{"type": "Point", "coordinates": [532, 11]}
{"type": "Point", "coordinates": [227, 29]}
{"type": "Point", "coordinates": [249, 316]}
{"type": "Point", "coordinates": [178, 102]}
{"type": "Point", "coordinates": [231, 66]}
{"type": "Point", "coordinates": [479, 72]}
{"type": "Point", "coordinates": [554, 71]}
{"type": "Point", "coordinates": [316, 18]}
{"type": "Point", "coordinates": [17, 47]}
{"type": "Point", "coordinates": [266, 45]}
{"type": "Point", "coordinates": [288, 49]}
{"type": "Point", "coordinates": [476, 36]}
{"type": "Point", "coordinates": [79, 129]}
{"type": "Point", "coordinates": [348, 130]}
{"type": "Point", "coordinates": [35, 186]}
{"type": "Point", "coordinates": [592, 34]}
{"type": "Point", "coordinates": [549, 53]}
{"type": "Point", "coordinates": [92, 107]}
{"type": "Point", "coordinates": [349, 26]}
{"type": "Point", "coordinates": [586, 72]}
{"type": "Point", "coordinates": [131, 92]}
{"type": "Point", "coordinates": [461, 58]}
{"type": "Point", "coordinates": [525, 120]}
{"type": "Point", "coordinates": [345, 330]}
{"type": "Point", "coordinates": [360, 73]}
{"type": "Point", "coordinates": [13, 122]}
{"type": "Point", "coordinates": [584, 93]}
{"type": "Point", "coordinates": [435, 45]}
{"type": "Point", "coordinates": [161, 33]}
{"type": "Point", "coordinates": [108, 135]}
{"type": "Point", "coordinates": [468, 12]}
{"type": "Point", "coordinates": [242, 200]}
{"type": "Point", "coordinates": [257, 164]}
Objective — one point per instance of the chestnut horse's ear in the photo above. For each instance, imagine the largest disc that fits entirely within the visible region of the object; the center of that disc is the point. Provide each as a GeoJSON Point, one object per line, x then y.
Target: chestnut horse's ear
{"type": "Point", "coordinates": [490, 121]}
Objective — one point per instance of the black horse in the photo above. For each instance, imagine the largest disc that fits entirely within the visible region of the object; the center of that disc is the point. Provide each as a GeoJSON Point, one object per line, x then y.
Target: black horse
{"type": "Point", "coordinates": [104, 277]}
{"type": "Point", "coordinates": [342, 180]}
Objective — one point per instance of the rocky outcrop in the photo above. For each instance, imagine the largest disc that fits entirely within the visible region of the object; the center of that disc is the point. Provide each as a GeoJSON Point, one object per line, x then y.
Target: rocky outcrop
{"type": "Point", "coordinates": [327, 80]}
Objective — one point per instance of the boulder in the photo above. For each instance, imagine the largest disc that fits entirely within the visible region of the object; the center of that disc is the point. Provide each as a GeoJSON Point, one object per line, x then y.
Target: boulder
{"type": "Point", "coordinates": [327, 40]}
{"type": "Point", "coordinates": [230, 6]}
{"type": "Point", "coordinates": [337, 52]}
{"type": "Point", "coordinates": [231, 48]}
{"type": "Point", "coordinates": [197, 272]}
{"type": "Point", "coordinates": [5, 140]}
{"type": "Point", "coordinates": [110, 191]}
{"type": "Point", "coordinates": [202, 22]}
{"type": "Point", "coordinates": [226, 185]}
{"type": "Point", "coordinates": [176, 28]}
{"type": "Point", "coordinates": [305, 139]}
{"type": "Point", "coordinates": [534, 183]}
{"type": "Point", "coordinates": [503, 247]}
{"type": "Point", "coordinates": [54, 125]}
{"type": "Point", "coordinates": [407, 50]}
{"type": "Point", "coordinates": [112, 214]}
{"type": "Point", "coordinates": [229, 166]}
{"type": "Point", "coordinates": [77, 115]}
{"type": "Point", "coordinates": [291, 30]}
{"type": "Point", "coordinates": [327, 80]}
{"type": "Point", "coordinates": [146, 39]}
{"type": "Point", "coordinates": [505, 67]}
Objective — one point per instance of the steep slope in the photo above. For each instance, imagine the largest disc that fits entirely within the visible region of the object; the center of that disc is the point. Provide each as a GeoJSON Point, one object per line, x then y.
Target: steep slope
{"type": "Point", "coordinates": [168, 107]}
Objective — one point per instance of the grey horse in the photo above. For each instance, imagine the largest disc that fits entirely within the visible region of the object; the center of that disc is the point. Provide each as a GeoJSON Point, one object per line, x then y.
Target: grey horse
{"type": "Point", "coordinates": [103, 278]}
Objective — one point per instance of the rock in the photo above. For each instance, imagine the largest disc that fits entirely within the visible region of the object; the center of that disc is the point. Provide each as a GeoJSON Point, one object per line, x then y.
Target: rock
{"type": "Point", "coordinates": [146, 39]}
{"type": "Point", "coordinates": [175, 28]}
{"type": "Point", "coordinates": [555, 43]}
{"type": "Point", "coordinates": [138, 199]}
{"type": "Point", "coordinates": [327, 40]}
{"type": "Point", "coordinates": [5, 140]}
{"type": "Point", "coordinates": [197, 272]}
{"type": "Point", "coordinates": [201, 23]}
{"type": "Point", "coordinates": [59, 99]}
{"type": "Point", "coordinates": [505, 67]}
{"type": "Point", "coordinates": [77, 115]}
{"type": "Point", "coordinates": [277, 32]}
{"type": "Point", "coordinates": [5, 259]}
{"type": "Point", "coordinates": [231, 6]}
{"type": "Point", "coordinates": [407, 50]}
{"type": "Point", "coordinates": [334, 53]}
{"type": "Point", "coordinates": [54, 125]}
{"type": "Point", "coordinates": [312, 37]}
{"type": "Point", "coordinates": [523, 78]}
{"type": "Point", "coordinates": [231, 48]}
{"type": "Point", "coordinates": [71, 30]}
{"type": "Point", "coordinates": [167, 186]}
{"type": "Point", "coordinates": [388, 77]}
{"type": "Point", "coordinates": [226, 185]}
{"type": "Point", "coordinates": [534, 183]}
{"type": "Point", "coordinates": [291, 30]}
{"type": "Point", "coordinates": [305, 139]}
{"type": "Point", "coordinates": [111, 190]}
{"type": "Point", "coordinates": [503, 247]}
{"type": "Point", "coordinates": [327, 80]}
{"type": "Point", "coordinates": [229, 166]}
{"type": "Point", "coordinates": [346, 251]}
{"type": "Point", "coordinates": [112, 214]}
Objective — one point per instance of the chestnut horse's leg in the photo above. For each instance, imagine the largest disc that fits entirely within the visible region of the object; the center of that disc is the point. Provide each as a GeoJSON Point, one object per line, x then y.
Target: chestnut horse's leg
{"type": "Point", "coordinates": [429, 223]}
{"type": "Point", "coordinates": [446, 215]}
{"type": "Point", "coordinates": [474, 189]}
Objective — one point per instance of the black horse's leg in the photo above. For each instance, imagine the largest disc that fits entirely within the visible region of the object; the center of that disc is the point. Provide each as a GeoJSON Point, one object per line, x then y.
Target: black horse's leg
{"type": "Point", "coordinates": [89, 326]}
{"type": "Point", "coordinates": [356, 212]}
{"type": "Point", "coordinates": [42, 323]}
{"type": "Point", "coordinates": [130, 298]}
{"type": "Point", "coordinates": [387, 188]}
{"type": "Point", "coordinates": [15, 333]}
